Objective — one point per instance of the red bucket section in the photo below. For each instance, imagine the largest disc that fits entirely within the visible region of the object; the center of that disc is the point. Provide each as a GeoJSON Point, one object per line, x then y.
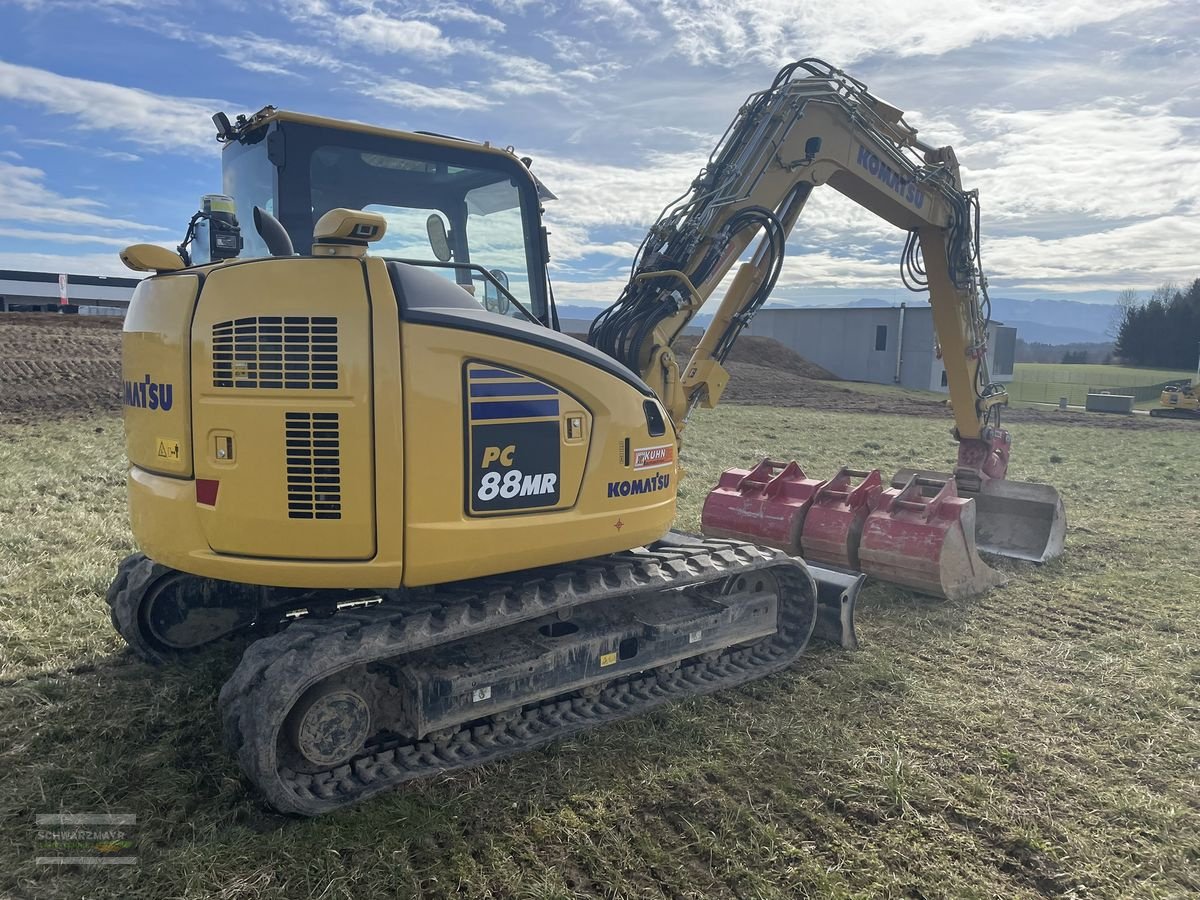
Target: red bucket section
{"type": "Point", "coordinates": [765, 505]}
{"type": "Point", "coordinates": [922, 536]}
{"type": "Point", "coordinates": [834, 524]}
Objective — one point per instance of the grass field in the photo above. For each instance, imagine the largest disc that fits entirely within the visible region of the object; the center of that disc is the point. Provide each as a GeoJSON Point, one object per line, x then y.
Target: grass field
{"type": "Point", "coordinates": [1041, 741]}
{"type": "Point", "coordinates": [1046, 382]}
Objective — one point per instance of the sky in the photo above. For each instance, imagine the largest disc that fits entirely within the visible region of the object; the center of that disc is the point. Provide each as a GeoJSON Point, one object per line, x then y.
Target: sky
{"type": "Point", "coordinates": [1077, 120]}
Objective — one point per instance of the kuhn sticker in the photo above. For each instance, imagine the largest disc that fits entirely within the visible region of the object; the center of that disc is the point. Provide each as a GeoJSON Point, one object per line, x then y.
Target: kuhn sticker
{"type": "Point", "coordinates": [654, 457]}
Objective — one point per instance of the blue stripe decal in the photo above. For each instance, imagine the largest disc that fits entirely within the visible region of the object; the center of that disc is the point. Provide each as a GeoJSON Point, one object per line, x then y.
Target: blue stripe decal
{"type": "Point", "coordinates": [518, 389]}
{"type": "Point", "coordinates": [514, 409]}
{"type": "Point", "coordinates": [493, 373]}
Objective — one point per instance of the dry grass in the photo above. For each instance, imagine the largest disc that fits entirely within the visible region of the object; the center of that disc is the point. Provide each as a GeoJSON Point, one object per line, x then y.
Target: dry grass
{"type": "Point", "coordinates": [1043, 740]}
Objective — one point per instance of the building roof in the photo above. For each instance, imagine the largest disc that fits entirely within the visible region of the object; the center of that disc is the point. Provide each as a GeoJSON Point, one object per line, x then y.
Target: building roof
{"type": "Point", "coordinates": [17, 283]}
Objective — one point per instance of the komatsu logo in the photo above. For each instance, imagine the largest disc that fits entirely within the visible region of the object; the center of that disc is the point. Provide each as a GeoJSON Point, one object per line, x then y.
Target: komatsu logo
{"type": "Point", "coordinates": [639, 486]}
{"type": "Point", "coordinates": [148, 394]}
{"type": "Point", "coordinates": [907, 190]}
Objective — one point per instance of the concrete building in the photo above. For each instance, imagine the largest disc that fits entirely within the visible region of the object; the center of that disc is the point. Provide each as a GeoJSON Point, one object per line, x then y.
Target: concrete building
{"type": "Point", "coordinates": [41, 291]}
{"type": "Point", "coordinates": [886, 345]}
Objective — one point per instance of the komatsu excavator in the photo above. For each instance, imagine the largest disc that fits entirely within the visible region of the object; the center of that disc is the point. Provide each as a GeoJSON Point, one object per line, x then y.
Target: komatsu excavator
{"type": "Point", "coordinates": [1179, 401]}
{"type": "Point", "coordinates": [446, 523]}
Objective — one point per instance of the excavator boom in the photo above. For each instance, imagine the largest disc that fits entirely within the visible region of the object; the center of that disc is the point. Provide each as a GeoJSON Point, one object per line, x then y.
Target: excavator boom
{"type": "Point", "coordinates": [816, 125]}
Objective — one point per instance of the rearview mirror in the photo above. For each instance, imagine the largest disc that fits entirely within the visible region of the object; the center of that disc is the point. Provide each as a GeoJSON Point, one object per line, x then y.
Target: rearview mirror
{"type": "Point", "coordinates": [494, 300]}
{"type": "Point", "coordinates": [439, 242]}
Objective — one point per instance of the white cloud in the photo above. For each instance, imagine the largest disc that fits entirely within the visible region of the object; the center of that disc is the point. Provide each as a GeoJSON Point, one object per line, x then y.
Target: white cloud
{"type": "Point", "coordinates": [381, 33]}
{"type": "Point", "coordinates": [63, 237]}
{"type": "Point", "coordinates": [596, 194]}
{"type": "Point", "coordinates": [141, 117]}
{"type": "Point", "coordinates": [411, 95]}
{"type": "Point", "coordinates": [725, 32]}
{"type": "Point", "coordinates": [460, 13]}
{"type": "Point", "coordinates": [1113, 159]}
{"type": "Point", "coordinates": [24, 198]}
{"type": "Point", "coordinates": [119, 155]}
{"type": "Point", "coordinates": [1141, 255]}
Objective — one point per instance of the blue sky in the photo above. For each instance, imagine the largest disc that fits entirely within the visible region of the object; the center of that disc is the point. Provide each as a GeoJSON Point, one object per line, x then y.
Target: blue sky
{"type": "Point", "coordinates": [1079, 122]}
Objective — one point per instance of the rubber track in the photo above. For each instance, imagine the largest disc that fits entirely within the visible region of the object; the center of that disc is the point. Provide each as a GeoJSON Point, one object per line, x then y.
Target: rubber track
{"type": "Point", "coordinates": [134, 576]}
{"type": "Point", "coordinates": [275, 672]}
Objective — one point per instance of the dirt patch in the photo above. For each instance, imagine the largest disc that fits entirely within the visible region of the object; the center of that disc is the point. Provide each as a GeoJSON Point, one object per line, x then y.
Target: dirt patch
{"type": "Point", "coordinates": [55, 367]}
{"type": "Point", "coordinates": [763, 352]}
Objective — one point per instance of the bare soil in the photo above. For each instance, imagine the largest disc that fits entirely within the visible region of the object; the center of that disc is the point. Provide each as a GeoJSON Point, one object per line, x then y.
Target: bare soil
{"type": "Point", "coordinates": [55, 367]}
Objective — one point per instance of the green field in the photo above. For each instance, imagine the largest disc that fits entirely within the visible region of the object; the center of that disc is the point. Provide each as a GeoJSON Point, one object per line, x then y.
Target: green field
{"type": "Point", "coordinates": [1040, 741]}
{"type": "Point", "coordinates": [1046, 382]}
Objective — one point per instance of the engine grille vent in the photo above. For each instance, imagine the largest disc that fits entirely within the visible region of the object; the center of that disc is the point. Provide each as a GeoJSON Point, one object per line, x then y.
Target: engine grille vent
{"type": "Point", "coordinates": [314, 465]}
{"type": "Point", "coordinates": [276, 352]}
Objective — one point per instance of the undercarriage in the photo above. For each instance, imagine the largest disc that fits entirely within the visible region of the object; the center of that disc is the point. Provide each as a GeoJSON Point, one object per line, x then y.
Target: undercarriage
{"type": "Point", "coordinates": [347, 694]}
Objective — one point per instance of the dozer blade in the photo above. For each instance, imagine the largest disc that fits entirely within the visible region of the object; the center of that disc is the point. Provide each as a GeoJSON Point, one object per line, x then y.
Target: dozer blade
{"type": "Point", "coordinates": [1013, 519]}
{"type": "Point", "coordinates": [922, 536]}
{"type": "Point", "coordinates": [837, 595]}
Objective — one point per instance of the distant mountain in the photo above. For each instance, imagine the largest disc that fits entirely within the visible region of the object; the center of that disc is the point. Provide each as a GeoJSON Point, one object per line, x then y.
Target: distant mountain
{"type": "Point", "coordinates": [1036, 332]}
{"type": "Point", "coordinates": [1056, 321]}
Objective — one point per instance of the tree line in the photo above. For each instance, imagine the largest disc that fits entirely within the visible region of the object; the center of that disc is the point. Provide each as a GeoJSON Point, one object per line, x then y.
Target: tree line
{"type": "Point", "coordinates": [1163, 330]}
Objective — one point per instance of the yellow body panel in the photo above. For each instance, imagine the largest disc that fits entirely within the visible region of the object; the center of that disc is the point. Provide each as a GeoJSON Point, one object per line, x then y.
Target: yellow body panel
{"type": "Point", "coordinates": [154, 365]}
{"type": "Point", "coordinates": [292, 404]}
{"type": "Point", "coordinates": [444, 542]}
{"type": "Point", "coordinates": [415, 439]}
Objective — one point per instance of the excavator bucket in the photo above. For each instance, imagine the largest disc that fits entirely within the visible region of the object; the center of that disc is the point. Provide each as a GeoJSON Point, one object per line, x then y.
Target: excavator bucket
{"type": "Point", "coordinates": [764, 505]}
{"type": "Point", "coordinates": [922, 535]}
{"type": "Point", "coordinates": [768, 505]}
{"type": "Point", "coordinates": [919, 533]}
{"type": "Point", "coordinates": [1013, 519]}
{"type": "Point", "coordinates": [833, 527]}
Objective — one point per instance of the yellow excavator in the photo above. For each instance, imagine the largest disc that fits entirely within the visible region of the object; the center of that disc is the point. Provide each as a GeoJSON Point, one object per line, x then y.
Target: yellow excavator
{"type": "Point", "coordinates": [446, 524]}
{"type": "Point", "coordinates": [1179, 401]}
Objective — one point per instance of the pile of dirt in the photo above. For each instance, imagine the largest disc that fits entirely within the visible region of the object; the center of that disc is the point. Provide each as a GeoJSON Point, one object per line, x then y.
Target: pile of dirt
{"type": "Point", "coordinates": [763, 385]}
{"type": "Point", "coordinates": [54, 366]}
{"type": "Point", "coordinates": [761, 351]}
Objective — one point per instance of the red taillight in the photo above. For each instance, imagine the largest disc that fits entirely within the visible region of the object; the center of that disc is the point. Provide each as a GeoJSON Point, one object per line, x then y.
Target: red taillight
{"type": "Point", "coordinates": [206, 491]}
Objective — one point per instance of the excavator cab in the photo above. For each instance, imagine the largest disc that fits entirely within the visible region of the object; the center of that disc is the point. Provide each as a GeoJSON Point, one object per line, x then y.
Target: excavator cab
{"type": "Point", "coordinates": [469, 212]}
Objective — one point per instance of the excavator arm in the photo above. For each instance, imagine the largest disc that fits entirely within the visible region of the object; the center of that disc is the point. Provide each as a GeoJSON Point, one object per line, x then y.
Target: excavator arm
{"type": "Point", "coordinates": [821, 128]}
{"type": "Point", "coordinates": [816, 125]}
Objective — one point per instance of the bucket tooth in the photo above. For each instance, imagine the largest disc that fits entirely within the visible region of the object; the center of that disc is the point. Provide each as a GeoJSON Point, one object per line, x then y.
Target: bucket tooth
{"type": "Point", "coordinates": [1013, 519]}
{"type": "Point", "coordinates": [764, 505]}
{"type": "Point", "coordinates": [834, 523]}
{"type": "Point", "coordinates": [837, 596]}
{"type": "Point", "coordinates": [922, 536]}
